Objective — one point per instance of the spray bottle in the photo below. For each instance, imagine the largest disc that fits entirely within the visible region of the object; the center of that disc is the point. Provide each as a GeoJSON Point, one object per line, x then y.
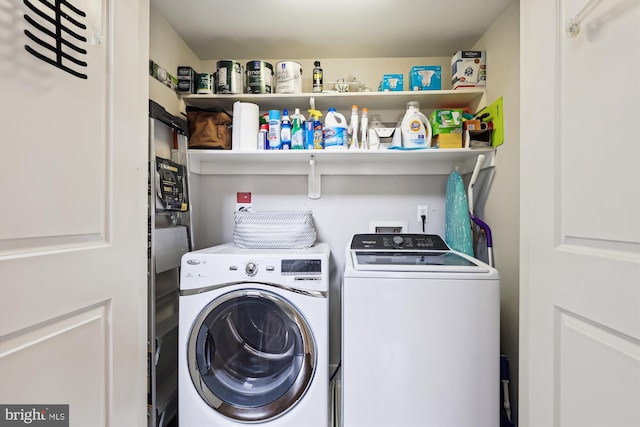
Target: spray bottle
{"type": "Point", "coordinates": [353, 128]}
{"type": "Point", "coordinates": [313, 131]}
{"type": "Point", "coordinates": [263, 133]}
{"type": "Point", "coordinates": [364, 139]}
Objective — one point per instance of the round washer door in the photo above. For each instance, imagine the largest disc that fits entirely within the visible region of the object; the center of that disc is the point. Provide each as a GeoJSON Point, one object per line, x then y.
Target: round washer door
{"type": "Point", "coordinates": [251, 355]}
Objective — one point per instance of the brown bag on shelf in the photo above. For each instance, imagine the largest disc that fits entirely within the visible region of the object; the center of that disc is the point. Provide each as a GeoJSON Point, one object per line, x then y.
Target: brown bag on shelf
{"type": "Point", "coordinates": [209, 128]}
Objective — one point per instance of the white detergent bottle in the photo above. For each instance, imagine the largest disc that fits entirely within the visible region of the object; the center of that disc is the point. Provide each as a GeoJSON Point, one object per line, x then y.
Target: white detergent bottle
{"type": "Point", "coordinates": [335, 130]}
{"type": "Point", "coordinates": [416, 129]}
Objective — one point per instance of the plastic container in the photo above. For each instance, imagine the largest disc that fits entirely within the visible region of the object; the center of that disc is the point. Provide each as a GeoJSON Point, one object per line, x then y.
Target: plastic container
{"type": "Point", "coordinates": [299, 115]}
{"type": "Point", "coordinates": [353, 128]}
{"type": "Point", "coordinates": [313, 131]}
{"type": "Point", "coordinates": [297, 134]}
{"type": "Point", "coordinates": [285, 131]}
{"type": "Point", "coordinates": [415, 127]}
{"type": "Point", "coordinates": [364, 125]}
{"type": "Point", "coordinates": [274, 130]}
{"type": "Point", "coordinates": [334, 134]}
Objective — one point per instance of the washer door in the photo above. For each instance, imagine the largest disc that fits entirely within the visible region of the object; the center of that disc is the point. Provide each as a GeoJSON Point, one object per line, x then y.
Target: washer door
{"type": "Point", "coordinates": [251, 355]}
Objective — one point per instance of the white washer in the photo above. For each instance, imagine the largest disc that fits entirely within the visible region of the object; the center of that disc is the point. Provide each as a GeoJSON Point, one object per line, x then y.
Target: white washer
{"type": "Point", "coordinates": [420, 335]}
{"type": "Point", "coordinates": [253, 338]}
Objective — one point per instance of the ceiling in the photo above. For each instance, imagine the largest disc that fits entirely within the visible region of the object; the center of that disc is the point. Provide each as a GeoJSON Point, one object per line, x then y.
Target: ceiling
{"type": "Point", "coordinates": [227, 29]}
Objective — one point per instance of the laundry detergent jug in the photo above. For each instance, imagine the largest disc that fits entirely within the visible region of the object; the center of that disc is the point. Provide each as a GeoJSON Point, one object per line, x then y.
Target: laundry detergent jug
{"type": "Point", "coordinates": [335, 130]}
{"type": "Point", "coordinates": [416, 129]}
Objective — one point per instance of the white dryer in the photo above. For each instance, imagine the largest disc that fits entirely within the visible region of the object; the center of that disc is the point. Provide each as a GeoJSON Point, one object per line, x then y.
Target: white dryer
{"type": "Point", "coordinates": [253, 340]}
{"type": "Point", "coordinates": [420, 334]}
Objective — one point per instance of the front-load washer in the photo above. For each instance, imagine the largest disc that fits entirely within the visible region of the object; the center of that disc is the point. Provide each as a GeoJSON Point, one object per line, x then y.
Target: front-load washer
{"type": "Point", "coordinates": [420, 334]}
{"type": "Point", "coordinates": [253, 337]}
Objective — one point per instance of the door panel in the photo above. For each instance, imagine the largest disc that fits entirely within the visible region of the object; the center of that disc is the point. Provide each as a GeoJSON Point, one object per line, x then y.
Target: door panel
{"type": "Point", "coordinates": [73, 228]}
{"type": "Point", "coordinates": [580, 206]}
{"type": "Point", "coordinates": [26, 361]}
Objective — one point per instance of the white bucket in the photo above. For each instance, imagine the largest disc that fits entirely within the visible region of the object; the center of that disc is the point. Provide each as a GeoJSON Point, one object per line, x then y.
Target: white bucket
{"type": "Point", "coordinates": [288, 77]}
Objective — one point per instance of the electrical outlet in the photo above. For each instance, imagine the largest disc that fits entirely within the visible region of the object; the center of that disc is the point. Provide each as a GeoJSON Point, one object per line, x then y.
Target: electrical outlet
{"type": "Point", "coordinates": [423, 210]}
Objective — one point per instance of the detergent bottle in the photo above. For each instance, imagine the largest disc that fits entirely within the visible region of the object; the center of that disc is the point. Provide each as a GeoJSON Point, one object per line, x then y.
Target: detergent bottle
{"type": "Point", "coordinates": [299, 115]}
{"type": "Point", "coordinates": [335, 129]}
{"type": "Point", "coordinates": [416, 129]}
{"type": "Point", "coordinates": [297, 134]}
{"type": "Point", "coordinates": [285, 130]}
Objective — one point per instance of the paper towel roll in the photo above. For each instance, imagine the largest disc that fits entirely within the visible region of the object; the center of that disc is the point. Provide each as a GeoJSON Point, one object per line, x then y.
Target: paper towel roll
{"type": "Point", "coordinates": [246, 123]}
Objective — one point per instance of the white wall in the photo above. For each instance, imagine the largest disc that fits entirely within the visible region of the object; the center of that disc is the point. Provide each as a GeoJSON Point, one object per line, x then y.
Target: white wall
{"type": "Point", "coordinates": [502, 211]}
{"type": "Point", "coordinates": [347, 205]}
{"type": "Point", "coordinates": [169, 51]}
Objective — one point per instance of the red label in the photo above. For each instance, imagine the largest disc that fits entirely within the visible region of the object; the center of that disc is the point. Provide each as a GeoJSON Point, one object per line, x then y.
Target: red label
{"type": "Point", "coordinates": [243, 198]}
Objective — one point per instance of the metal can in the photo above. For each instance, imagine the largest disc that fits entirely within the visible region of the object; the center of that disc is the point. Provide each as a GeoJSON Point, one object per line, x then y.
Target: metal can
{"type": "Point", "coordinates": [288, 77]}
{"type": "Point", "coordinates": [204, 83]}
{"type": "Point", "coordinates": [259, 77]}
{"type": "Point", "coordinates": [229, 77]}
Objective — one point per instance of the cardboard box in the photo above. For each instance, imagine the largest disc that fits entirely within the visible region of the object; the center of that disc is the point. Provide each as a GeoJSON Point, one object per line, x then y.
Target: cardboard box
{"type": "Point", "coordinates": [469, 69]}
{"type": "Point", "coordinates": [392, 83]}
{"type": "Point", "coordinates": [425, 77]}
{"type": "Point", "coordinates": [445, 121]}
{"type": "Point", "coordinates": [448, 140]}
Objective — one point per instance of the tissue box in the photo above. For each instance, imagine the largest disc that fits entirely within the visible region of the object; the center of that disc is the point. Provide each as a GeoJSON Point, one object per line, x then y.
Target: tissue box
{"type": "Point", "coordinates": [425, 77]}
{"type": "Point", "coordinates": [392, 83]}
{"type": "Point", "coordinates": [445, 121]}
{"type": "Point", "coordinates": [468, 69]}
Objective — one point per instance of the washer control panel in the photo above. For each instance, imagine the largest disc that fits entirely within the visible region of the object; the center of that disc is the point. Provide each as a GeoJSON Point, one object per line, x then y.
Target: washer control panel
{"type": "Point", "coordinates": [399, 241]}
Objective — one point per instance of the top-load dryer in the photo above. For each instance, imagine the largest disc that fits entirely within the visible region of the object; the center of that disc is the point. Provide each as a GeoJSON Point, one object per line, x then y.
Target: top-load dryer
{"type": "Point", "coordinates": [420, 334]}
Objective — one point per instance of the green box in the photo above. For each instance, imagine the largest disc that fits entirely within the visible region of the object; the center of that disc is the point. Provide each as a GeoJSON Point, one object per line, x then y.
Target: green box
{"type": "Point", "coordinates": [445, 121]}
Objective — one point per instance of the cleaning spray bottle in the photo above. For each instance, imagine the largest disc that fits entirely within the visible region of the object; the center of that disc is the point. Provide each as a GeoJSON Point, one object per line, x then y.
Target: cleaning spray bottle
{"type": "Point", "coordinates": [353, 128]}
{"type": "Point", "coordinates": [335, 129]}
{"type": "Point", "coordinates": [416, 129]}
{"type": "Point", "coordinates": [364, 125]}
{"type": "Point", "coordinates": [313, 131]}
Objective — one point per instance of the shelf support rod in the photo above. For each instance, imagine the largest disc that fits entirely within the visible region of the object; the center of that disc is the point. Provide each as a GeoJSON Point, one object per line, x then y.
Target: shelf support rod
{"type": "Point", "coordinates": [314, 181]}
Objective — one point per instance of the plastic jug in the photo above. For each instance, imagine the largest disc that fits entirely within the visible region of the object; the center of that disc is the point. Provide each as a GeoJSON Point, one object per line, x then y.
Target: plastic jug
{"type": "Point", "coordinates": [335, 130]}
{"type": "Point", "coordinates": [416, 129]}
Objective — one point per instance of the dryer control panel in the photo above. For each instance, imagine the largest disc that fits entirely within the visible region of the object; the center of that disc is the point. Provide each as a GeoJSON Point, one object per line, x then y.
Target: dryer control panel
{"type": "Point", "coordinates": [399, 241]}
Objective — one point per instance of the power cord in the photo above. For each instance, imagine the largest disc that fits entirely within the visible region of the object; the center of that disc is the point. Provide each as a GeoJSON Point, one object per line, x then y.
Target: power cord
{"type": "Point", "coordinates": [424, 221]}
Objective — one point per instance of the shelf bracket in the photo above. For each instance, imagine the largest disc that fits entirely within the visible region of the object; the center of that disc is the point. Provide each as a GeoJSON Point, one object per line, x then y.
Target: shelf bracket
{"type": "Point", "coordinates": [314, 181]}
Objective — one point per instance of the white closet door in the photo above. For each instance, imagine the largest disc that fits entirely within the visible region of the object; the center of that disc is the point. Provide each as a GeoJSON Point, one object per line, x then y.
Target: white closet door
{"type": "Point", "coordinates": [73, 225]}
{"type": "Point", "coordinates": [580, 295]}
